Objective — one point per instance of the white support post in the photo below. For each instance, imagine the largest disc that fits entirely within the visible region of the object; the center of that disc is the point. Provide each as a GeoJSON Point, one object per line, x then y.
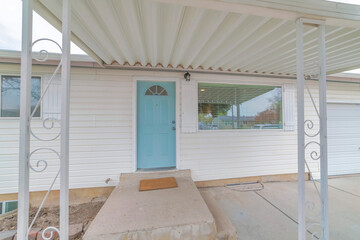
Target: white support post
{"type": "Point", "coordinates": [65, 107]}
{"type": "Point", "coordinates": [25, 98]}
{"type": "Point", "coordinates": [323, 134]}
{"type": "Point", "coordinates": [300, 123]}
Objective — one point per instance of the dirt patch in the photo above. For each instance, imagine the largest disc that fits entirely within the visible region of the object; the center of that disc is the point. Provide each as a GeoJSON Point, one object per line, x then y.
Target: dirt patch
{"type": "Point", "coordinates": [82, 213]}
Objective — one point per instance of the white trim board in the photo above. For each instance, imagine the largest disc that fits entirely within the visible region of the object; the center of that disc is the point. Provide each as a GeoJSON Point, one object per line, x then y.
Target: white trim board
{"type": "Point", "coordinates": [134, 115]}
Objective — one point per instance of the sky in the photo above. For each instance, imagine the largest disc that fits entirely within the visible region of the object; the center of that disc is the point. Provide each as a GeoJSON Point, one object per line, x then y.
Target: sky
{"type": "Point", "coordinates": [10, 29]}
{"type": "Point", "coordinates": [347, 1]}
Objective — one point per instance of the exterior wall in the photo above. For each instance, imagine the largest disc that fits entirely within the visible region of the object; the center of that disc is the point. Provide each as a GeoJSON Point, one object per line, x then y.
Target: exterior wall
{"type": "Point", "coordinates": [101, 133]}
{"type": "Point", "coordinates": [218, 154]}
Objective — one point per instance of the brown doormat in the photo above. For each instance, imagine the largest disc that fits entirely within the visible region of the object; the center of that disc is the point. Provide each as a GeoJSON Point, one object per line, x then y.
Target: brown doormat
{"type": "Point", "coordinates": [157, 183]}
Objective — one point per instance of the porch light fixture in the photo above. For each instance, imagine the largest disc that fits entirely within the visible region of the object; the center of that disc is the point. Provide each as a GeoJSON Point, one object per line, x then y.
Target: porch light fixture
{"type": "Point", "coordinates": [187, 76]}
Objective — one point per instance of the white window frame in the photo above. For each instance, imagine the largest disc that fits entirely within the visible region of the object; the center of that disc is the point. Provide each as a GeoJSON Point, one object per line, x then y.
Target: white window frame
{"type": "Point", "coordinates": [41, 90]}
{"type": "Point", "coordinates": [281, 85]}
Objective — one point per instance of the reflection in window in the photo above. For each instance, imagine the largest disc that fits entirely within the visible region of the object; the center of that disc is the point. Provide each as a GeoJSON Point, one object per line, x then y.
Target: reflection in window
{"type": "Point", "coordinates": [10, 96]}
{"type": "Point", "coordinates": [156, 90]}
{"type": "Point", "coordinates": [8, 206]}
{"type": "Point", "coordinates": [229, 106]}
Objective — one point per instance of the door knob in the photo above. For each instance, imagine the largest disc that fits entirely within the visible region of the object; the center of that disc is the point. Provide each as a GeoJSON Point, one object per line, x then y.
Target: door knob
{"type": "Point", "coordinates": [173, 122]}
{"type": "Point", "coordinates": [173, 128]}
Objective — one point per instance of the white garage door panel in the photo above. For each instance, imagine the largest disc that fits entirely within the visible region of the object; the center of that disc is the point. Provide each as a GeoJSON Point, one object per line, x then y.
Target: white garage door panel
{"type": "Point", "coordinates": [344, 138]}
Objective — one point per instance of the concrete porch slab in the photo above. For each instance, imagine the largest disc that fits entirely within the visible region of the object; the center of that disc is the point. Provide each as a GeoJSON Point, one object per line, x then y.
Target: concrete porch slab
{"type": "Point", "coordinates": [175, 213]}
{"type": "Point", "coordinates": [253, 217]}
{"type": "Point", "coordinates": [224, 226]}
{"type": "Point", "coordinates": [349, 184]}
{"type": "Point", "coordinates": [344, 210]}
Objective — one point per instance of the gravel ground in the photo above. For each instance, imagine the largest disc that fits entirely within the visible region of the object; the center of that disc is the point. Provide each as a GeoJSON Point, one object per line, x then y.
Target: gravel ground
{"type": "Point", "coordinates": [49, 216]}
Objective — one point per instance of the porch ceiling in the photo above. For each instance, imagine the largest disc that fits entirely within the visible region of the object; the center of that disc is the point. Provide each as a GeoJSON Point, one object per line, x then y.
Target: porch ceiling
{"type": "Point", "coordinates": [158, 33]}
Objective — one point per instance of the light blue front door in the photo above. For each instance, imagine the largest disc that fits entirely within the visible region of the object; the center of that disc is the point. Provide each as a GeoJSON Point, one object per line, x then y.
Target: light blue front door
{"type": "Point", "coordinates": [156, 126]}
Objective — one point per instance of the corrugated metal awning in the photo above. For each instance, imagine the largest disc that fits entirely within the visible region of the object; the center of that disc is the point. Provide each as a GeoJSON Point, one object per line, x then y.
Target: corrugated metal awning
{"type": "Point", "coordinates": [152, 33]}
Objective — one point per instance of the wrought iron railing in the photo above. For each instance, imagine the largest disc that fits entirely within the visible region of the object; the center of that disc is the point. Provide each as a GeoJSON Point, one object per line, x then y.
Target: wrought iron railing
{"type": "Point", "coordinates": [313, 216]}
{"type": "Point", "coordinates": [47, 124]}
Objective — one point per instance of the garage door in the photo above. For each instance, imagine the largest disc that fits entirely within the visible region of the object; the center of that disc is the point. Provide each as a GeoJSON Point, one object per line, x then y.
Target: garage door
{"type": "Point", "coordinates": [344, 138]}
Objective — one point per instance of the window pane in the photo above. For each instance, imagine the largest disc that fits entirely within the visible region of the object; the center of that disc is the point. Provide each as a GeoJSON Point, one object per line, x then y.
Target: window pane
{"type": "Point", "coordinates": [156, 90]}
{"type": "Point", "coordinates": [1, 207]}
{"type": "Point", "coordinates": [228, 106]}
{"type": "Point", "coordinates": [10, 96]}
{"type": "Point", "coordinates": [9, 206]}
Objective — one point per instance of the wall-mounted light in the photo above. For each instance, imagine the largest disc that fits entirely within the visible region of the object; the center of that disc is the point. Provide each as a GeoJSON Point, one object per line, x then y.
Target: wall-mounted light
{"type": "Point", "coordinates": [202, 90]}
{"type": "Point", "coordinates": [187, 76]}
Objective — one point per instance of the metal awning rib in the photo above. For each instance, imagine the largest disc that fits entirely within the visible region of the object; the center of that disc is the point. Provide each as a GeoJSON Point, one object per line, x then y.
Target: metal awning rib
{"type": "Point", "coordinates": [159, 33]}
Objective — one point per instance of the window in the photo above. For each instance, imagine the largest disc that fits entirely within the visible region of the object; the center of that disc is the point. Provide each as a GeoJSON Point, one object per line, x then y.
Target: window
{"type": "Point", "coordinates": [229, 106]}
{"type": "Point", "coordinates": [8, 206]}
{"type": "Point", "coordinates": [10, 96]}
{"type": "Point", "coordinates": [156, 90]}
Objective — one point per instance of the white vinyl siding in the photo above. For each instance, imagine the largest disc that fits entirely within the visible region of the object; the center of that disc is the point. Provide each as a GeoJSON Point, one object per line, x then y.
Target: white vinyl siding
{"type": "Point", "coordinates": [255, 152]}
{"type": "Point", "coordinates": [189, 107]}
{"type": "Point", "coordinates": [101, 143]}
{"type": "Point", "coordinates": [219, 154]}
{"type": "Point", "coordinates": [100, 133]}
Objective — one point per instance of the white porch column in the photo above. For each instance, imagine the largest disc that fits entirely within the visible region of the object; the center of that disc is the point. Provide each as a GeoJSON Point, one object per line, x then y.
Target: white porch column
{"type": "Point", "coordinates": [300, 129]}
{"type": "Point", "coordinates": [65, 102]}
{"type": "Point", "coordinates": [323, 134]}
{"type": "Point", "coordinates": [25, 98]}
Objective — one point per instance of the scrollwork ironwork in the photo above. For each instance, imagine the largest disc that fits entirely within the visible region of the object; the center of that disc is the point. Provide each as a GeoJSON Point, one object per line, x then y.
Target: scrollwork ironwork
{"type": "Point", "coordinates": [48, 124]}
{"type": "Point", "coordinates": [311, 207]}
{"type": "Point", "coordinates": [51, 230]}
{"type": "Point", "coordinates": [316, 230]}
{"type": "Point", "coordinates": [43, 162]}
{"type": "Point", "coordinates": [52, 121]}
{"type": "Point", "coordinates": [43, 54]}
{"type": "Point", "coordinates": [313, 213]}
{"type": "Point", "coordinates": [46, 121]}
{"type": "Point", "coordinates": [315, 154]}
{"type": "Point", "coordinates": [309, 125]}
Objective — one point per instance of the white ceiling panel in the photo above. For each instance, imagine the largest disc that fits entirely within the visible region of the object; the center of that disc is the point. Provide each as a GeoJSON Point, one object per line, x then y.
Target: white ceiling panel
{"type": "Point", "coordinates": [152, 33]}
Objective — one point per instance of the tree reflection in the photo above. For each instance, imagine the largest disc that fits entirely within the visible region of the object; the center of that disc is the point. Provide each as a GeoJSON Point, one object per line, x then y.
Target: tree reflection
{"type": "Point", "coordinates": [10, 96]}
{"type": "Point", "coordinates": [271, 115]}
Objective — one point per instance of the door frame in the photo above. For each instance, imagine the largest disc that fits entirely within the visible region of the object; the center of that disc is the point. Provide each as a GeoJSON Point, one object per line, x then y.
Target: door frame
{"type": "Point", "coordinates": [134, 115]}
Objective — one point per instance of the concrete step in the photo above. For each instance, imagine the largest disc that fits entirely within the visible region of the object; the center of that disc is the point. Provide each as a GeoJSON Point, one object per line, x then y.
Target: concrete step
{"type": "Point", "coordinates": [224, 226]}
{"type": "Point", "coordinates": [175, 213]}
